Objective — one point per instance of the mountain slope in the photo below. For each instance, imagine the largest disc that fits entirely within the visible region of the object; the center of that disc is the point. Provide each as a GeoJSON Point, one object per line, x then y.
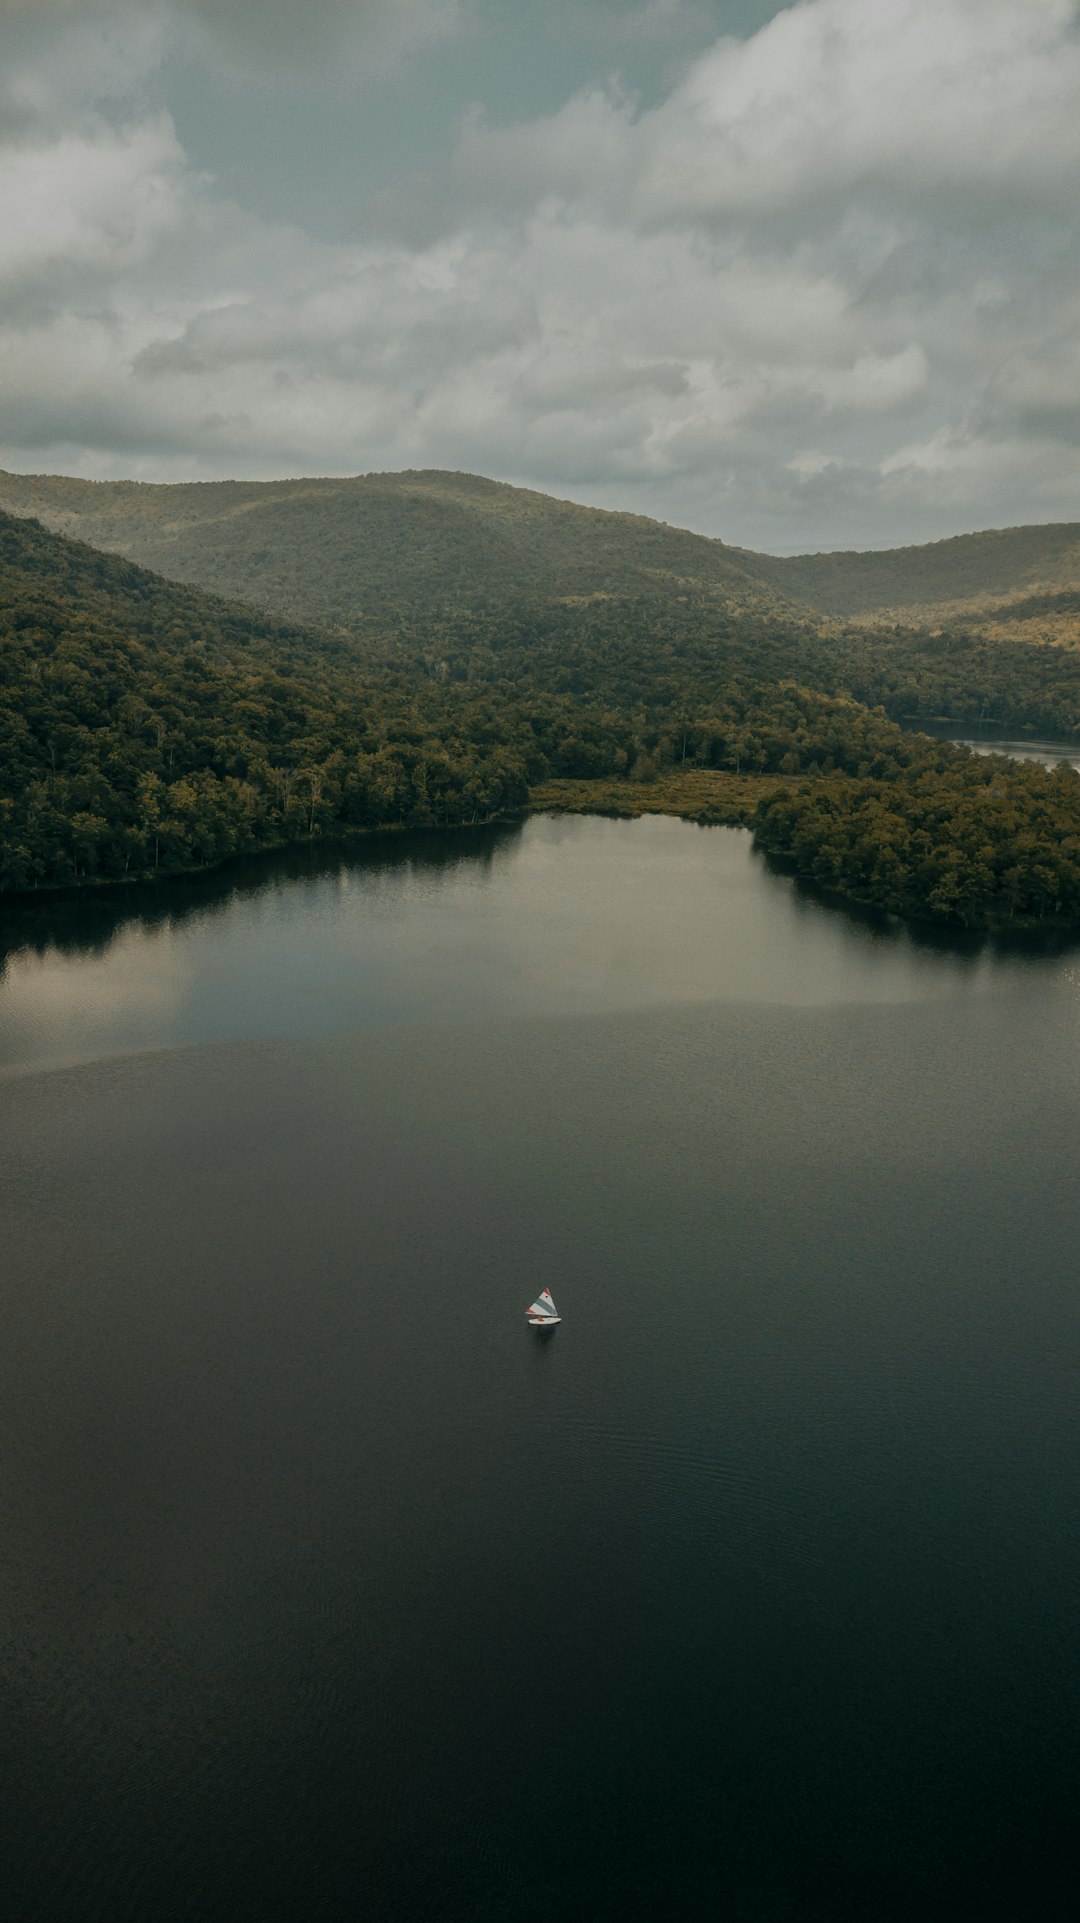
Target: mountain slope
{"type": "Point", "coordinates": [362, 555]}
{"type": "Point", "coordinates": [970, 573]}
{"type": "Point", "coordinates": [149, 727]}
{"type": "Point", "coordinates": [371, 554]}
{"type": "Point", "coordinates": [146, 727]}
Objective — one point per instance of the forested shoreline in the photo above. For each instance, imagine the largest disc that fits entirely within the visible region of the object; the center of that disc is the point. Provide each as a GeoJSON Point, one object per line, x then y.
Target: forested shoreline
{"type": "Point", "coordinates": [152, 729]}
{"type": "Point", "coordinates": [993, 847]}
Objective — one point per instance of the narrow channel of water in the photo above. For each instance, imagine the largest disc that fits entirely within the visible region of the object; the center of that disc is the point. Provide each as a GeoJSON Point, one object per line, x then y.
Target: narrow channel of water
{"type": "Point", "coordinates": [990, 741]}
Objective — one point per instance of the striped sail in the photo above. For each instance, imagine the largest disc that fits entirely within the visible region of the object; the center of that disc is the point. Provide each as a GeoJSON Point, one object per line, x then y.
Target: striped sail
{"type": "Point", "coordinates": [543, 1309]}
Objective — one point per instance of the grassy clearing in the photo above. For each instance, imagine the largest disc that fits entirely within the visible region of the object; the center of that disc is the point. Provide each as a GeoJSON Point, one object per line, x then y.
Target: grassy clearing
{"type": "Point", "coordinates": [696, 796]}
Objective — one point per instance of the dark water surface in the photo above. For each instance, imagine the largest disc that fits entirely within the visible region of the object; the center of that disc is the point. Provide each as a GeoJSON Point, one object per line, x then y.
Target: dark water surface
{"type": "Point", "coordinates": [331, 1592]}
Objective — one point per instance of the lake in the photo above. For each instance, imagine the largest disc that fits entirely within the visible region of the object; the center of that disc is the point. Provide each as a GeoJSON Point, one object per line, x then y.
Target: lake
{"type": "Point", "coordinates": [1048, 754]}
{"type": "Point", "coordinates": [991, 741]}
{"type": "Point", "coordinates": [331, 1591]}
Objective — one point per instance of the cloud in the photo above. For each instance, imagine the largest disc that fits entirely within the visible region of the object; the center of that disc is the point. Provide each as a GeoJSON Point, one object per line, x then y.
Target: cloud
{"type": "Point", "coordinates": [88, 209]}
{"type": "Point", "coordinates": [906, 97]}
{"type": "Point", "coordinates": [250, 40]}
{"type": "Point", "coordinates": [277, 35]}
{"type": "Point", "coordinates": [822, 291]}
{"type": "Point", "coordinates": [62, 65]}
{"type": "Point", "coordinates": [898, 99]}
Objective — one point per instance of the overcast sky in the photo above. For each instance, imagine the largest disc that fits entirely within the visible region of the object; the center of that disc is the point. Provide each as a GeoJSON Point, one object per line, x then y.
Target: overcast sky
{"type": "Point", "coordinates": [797, 276]}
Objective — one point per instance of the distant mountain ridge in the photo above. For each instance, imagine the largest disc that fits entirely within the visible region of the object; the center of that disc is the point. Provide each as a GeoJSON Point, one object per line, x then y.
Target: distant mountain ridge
{"type": "Point", "coordinates": [148, 728]}
{"type": "Point", "coordinates": [351, 554]}
{"type": "Point", "coordinates": [976, 572]}
{"type": "Point", "coordinates": [376, 550]}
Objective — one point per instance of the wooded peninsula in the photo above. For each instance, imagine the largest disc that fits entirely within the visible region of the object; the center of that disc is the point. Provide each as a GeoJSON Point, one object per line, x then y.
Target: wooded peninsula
{"type": "Point", "coordinates": [436, 650]}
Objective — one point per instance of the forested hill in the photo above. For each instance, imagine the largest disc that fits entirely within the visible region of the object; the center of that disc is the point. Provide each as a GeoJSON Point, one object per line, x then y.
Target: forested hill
{"type": "Point", "coordinates": [50, 585]}
{"type": "Point", "coordinates": [361, 556]}
{"type": "Point", "coordinates": [971, 573]}
{"type": "Point", "coordinates": [148, 728]}
{"type": "Point", "coordinates": [370, 555]}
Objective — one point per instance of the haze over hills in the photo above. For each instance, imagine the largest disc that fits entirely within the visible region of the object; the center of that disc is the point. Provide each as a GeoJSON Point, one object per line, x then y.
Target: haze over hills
{"type": "Point", "coordinates": [359, 555]}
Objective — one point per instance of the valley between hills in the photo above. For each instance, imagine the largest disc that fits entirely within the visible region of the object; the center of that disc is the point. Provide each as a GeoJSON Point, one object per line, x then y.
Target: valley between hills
{"type": "Point", "coordinates": [196, 671]}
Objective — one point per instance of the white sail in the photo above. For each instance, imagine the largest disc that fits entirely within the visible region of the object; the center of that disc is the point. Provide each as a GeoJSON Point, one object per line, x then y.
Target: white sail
{"type": "Point", "coordinates": [543, 1309]}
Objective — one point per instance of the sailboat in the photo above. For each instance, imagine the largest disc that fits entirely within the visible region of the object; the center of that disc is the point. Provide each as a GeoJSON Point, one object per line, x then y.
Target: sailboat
{"type": "Point", "coordinates": [543, 1314]}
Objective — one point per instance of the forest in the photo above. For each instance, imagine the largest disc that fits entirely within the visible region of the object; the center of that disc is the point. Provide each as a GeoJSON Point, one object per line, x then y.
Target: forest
{"type": "Point", "coordinates": [968, 572]}
{"type": "Point", "coordinates": [358, 557]}
{"type": "Point", "coordinates": [357, 554]}
{"type": "Point", "coordinates": [981, 842]}
{"type": "Point", "coordinates": [148, 728]}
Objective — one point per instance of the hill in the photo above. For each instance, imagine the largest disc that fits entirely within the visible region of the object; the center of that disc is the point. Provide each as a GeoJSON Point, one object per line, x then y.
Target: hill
{"type": "Point", "coordinates": [972, 574]}
{"type": "Point", "coordinates": [149, 727]}
{"type": "Point", "coordinates": [377, 553]}
{"type": "Point", "coordinates": [362, 556]}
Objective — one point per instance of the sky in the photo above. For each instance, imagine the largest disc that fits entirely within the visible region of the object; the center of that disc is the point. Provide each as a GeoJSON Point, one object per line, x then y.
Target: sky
{"type": "Point", "coordinates": [799, 277]}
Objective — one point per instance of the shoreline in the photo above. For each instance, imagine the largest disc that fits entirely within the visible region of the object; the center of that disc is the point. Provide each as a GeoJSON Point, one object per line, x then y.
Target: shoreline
{"type": "Point", "coordinates": [712, 798]}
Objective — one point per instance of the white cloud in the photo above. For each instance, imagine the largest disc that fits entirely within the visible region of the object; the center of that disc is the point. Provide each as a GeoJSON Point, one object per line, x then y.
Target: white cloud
{"type": "Point", "coordinates": [95, 202]}
{"type": "Point", "coordinates": [902, 99]}
{"type": "Point", "coordinates": [822, 290]}
{"type": "Point", "coordinates": [834, 97]}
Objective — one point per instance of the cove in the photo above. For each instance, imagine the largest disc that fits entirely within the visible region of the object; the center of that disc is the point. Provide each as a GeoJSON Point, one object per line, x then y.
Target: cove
{"type": "Point", "coordinates": [559, 915]}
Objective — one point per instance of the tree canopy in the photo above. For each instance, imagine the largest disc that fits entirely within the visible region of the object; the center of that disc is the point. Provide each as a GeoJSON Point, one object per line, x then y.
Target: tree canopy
{"type": "Point", "coordinates": [149, 728]}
